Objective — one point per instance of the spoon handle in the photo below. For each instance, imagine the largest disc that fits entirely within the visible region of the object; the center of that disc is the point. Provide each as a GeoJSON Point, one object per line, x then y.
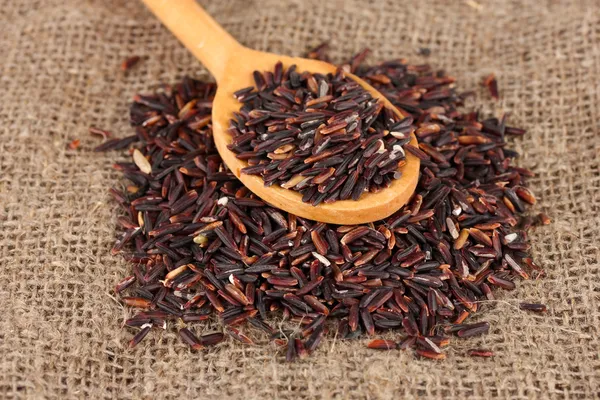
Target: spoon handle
{"type": "Point", "coordinates": [198, 31]}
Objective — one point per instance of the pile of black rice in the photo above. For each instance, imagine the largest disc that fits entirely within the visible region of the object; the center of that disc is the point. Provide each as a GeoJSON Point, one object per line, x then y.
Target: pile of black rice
{"type": "Point", "coordinates": [203, 247]}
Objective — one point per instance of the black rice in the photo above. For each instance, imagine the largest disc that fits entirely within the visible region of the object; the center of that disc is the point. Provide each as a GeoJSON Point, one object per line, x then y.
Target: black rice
{"type": "Point", "coordinates": [202, 245]}
{"type": "Point", "coordinates": [321, 135]}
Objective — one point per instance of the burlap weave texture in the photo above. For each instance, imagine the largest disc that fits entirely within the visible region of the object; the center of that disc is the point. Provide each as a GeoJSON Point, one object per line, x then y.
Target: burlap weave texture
{"type": "Point", "coordinates": [60, 327]}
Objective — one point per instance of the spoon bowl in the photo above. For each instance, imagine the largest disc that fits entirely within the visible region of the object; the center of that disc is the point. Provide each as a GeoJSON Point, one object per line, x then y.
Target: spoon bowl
{"type": "Point", "coordinates": [232, 66]}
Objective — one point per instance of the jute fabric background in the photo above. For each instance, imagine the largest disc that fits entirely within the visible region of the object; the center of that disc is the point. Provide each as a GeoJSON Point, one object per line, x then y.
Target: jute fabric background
{"type": "Point", "coordinates": [60, 327]}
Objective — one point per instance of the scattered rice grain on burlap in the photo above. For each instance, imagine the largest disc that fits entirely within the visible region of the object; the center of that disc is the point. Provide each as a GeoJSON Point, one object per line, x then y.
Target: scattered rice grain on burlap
{"type": "Point", "coordinates": [60, 334]}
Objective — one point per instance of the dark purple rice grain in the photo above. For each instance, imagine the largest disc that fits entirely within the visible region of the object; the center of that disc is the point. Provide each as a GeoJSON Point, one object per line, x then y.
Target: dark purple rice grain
{"type": "Point", "coordinates": [124, 283]}
{"type": "Point", "coordinates": [430, 354]}
{"type": "Point", "coordinates": [480, 353]}
{"type": "Point", "coordinates": [315, 339]}
{"type": "Point", "coordinates": [380, 344]}
{"type": "Point", "coordinates": [211, 339]}
{"type": "Point", "coordinates": [130, 62]}
{"type": "Point", "coordinates": [535, 307]}
{"type": "Point", "coordinates": [474, 330]}
{"type": "Point", "coordinates": [140, 336]}
{"type": "Point", "coordinates": [190, 338]}
{"type": "Point", "coordinates": [492, 85]}
{"type": "Point", "coordinates": [239, 336]}
{"type": "Point", "coordinates": [291, 353]}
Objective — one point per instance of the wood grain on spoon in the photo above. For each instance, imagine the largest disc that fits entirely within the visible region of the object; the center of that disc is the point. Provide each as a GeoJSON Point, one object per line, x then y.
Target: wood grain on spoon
{"type": "Point", "coordinates": [232, 65]}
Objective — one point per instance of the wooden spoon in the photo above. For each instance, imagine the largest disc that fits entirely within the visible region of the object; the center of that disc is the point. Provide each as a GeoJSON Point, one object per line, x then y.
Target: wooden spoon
{"type": "Point", "coordinates": [232, 65]}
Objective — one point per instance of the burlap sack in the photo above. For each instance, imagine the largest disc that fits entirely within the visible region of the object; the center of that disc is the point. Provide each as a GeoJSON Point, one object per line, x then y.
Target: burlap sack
{"type": "Point", "coordinates": [60, 326]}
